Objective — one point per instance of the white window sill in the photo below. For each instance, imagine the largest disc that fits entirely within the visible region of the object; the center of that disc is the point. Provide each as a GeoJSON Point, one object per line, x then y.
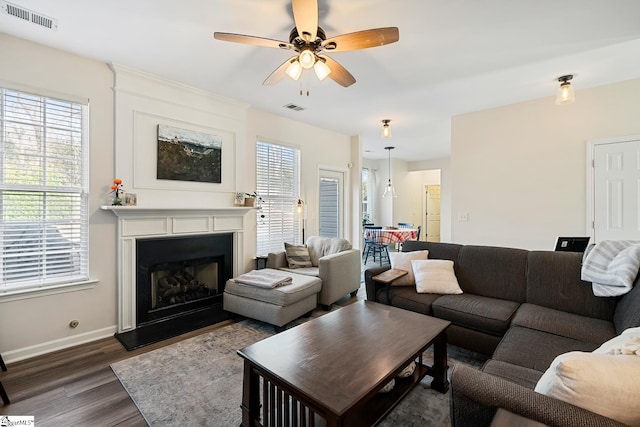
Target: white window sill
{"type": "Point", "coordinates": [49, 290]}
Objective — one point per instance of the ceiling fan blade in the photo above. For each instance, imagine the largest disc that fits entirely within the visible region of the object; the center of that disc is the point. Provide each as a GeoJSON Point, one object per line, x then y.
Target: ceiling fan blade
{"type": "Point", "coordinates": [305, 14]}
{"type": "Point", "coordinates": [252, 40]}
{"type": "Point", "coordinates": [279, 73]}
{"type": "Point", "coordinates": [338, 74]}
{"type": "Point", "coordinates": [362, 39]}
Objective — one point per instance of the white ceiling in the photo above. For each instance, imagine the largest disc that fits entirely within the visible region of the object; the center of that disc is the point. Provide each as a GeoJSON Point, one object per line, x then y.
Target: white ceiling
{"type": "Point", "coordinates": [454, 56]}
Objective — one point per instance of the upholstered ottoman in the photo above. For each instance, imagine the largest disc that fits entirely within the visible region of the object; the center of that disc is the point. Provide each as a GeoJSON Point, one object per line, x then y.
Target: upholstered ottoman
{"type": "Point", "coordinates": [277, 306]}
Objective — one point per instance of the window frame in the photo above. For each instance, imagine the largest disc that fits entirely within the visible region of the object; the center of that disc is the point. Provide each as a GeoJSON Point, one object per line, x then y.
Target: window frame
{"type": "Point", "coordinates": [277, 219]}
{"type": "Point", "coordinates": [72, 122]}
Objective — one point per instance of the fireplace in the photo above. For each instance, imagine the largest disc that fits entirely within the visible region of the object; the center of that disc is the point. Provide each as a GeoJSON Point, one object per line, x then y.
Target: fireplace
{"type": "Point", "coordinates": [205, 243]}
{"type": "Point", "coordinates": [177, 275]}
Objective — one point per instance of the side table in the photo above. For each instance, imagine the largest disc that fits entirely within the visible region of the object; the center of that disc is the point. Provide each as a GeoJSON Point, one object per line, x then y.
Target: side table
{"type": "Point", "coordinates": [261, 262]}
{"type": "Point", "coordinates": [3, 393]}
{"type": "Point", "coordinates": [389, 276]}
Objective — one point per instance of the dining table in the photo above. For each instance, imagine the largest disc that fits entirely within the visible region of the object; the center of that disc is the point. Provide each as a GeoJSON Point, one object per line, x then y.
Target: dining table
{"type": "Point", "coordinates": [387, 236]}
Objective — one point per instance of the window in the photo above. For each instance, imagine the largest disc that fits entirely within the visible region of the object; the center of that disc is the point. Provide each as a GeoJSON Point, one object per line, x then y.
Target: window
{"type": "Point", "coordinates": [278, 184]}
{"type": "Point", "coordinates": [43, 191]}
{"type": "Point", "coordinates": [367, 208]}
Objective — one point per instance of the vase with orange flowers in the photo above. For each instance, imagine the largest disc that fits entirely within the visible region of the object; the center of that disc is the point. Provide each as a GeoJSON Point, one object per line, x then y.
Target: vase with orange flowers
{"type": "Point", "coordinates": [116, 189]}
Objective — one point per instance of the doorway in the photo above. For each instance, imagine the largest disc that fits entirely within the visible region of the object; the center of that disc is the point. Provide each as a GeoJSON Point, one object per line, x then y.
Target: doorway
{"type": "Point", "coordinates": [432, 214]}
{"type": "Point", "coordinates": [613, 197]}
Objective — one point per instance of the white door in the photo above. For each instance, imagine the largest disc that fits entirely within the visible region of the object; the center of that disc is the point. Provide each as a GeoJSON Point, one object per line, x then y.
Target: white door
{"type": "Point", "coordinates": [331, 204]}
{"type": "Point", "coordinates": [433, 214]}
{"type": "Point", "coordinates": [616, 191]}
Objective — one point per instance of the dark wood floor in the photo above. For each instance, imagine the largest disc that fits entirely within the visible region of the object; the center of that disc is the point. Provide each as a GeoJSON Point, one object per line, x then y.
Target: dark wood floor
{"type": "Point", "coordinates": [76, 386]}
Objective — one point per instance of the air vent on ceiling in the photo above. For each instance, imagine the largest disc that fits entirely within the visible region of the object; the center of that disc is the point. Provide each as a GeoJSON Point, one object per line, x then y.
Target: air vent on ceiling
{"type": "Point", "coordinates": [29, 15]}
{"type": "Point", "coordinates": [294, 107]}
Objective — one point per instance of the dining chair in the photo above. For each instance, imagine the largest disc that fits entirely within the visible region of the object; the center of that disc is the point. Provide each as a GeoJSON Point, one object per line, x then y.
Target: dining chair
{"type": "Point", "coordinates": [3, 393]}
{"type": "Point", "coordinates": [419, 228]}
{"type": "Point", "coordinates": [375, 245]}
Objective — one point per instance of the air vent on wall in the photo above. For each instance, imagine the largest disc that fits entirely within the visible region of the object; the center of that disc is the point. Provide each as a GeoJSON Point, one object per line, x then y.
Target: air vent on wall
{"type": "Point", "coordinates": [29, 15]}
{"type": "Point", "coordinates": [293, 107]}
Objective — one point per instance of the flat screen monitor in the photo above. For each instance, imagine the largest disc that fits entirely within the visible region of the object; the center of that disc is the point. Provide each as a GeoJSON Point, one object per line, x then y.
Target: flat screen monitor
{"type": "Point", "coordinates": [572, 244]}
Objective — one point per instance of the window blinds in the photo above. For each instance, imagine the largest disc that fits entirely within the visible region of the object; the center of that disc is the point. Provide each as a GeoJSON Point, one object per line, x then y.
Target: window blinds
{"type": "Point", "coordinates": [278, 183]}
{"type": "Point", "coordinates": [43, 191]}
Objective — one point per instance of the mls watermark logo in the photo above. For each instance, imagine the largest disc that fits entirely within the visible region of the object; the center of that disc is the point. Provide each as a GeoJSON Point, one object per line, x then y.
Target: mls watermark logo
{"type": "Point", "coordinates": [16, 420]}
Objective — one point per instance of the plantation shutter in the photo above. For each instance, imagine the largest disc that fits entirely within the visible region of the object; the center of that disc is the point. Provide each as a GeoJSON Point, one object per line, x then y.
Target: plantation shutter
{"type": "Point", "coordinates": [329, 220]}
{"type": "Point", "coordinates": [278, 183]}
{"type": "Point", "coordinates": [43, 191]}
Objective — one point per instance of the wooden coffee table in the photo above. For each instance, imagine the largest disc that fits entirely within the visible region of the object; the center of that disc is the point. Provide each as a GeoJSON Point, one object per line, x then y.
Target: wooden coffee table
{"type": "Point", "coordinates": [329, 370]}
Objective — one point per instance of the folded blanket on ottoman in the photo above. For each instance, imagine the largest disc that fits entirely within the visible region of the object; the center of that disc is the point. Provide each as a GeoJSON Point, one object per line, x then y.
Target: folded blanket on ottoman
{"type": "Point", "coordinates": [264, 279]}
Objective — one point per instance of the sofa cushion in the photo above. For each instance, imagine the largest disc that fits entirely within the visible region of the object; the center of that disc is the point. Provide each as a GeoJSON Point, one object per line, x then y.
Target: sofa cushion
{"type": "Point", "coordinates": [307, 271]}
{"type": "Point", "coordinates": [602, 383]}
{"type": "Point", "coordinates": [627, 314]}
{"type": "Point", "coordinates": [518, 374]}
{"type": "Point", "coordinates": [435, 276]}
{"type": "Point", "coordinates": [406, 297]}
{"type": "Point", "coordinates": [402, 261]}
{"type": "Point", "coordinates": [436, 250]}
{"type": "Point", "coordinates": [564, 324]}
{"type": "Point", "coordinates": [535, 349]}
{"type": "Point", "coordinates": [553, 280]}
{"type": "Point", "coordinates": [484, 314]}
{"type": "Point", "coordinates": [297, 255]}
{"type": "Point", "coordinates": [321, 246]}
{"type": "Point", "coordinates": [493, 272]}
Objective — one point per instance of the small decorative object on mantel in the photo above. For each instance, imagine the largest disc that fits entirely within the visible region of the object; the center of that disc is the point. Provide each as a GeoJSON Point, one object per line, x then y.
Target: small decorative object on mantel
{"type": "Point", "coordinates": [130, 199]}
{"type": "Point", "coordinates": [238, 199]}
{"type": "Point", "coordinates": [116, 189]}
{"type": "Point", "coordinates": [250, 199]}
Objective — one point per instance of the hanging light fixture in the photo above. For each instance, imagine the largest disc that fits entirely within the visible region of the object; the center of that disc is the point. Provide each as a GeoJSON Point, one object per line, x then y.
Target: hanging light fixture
{"type": "Point", "coordinates": [386, 129]}
{"type": "Point", "coordinates": [389, 189]}
{"type": "Point", "coordinates": [565, 93]}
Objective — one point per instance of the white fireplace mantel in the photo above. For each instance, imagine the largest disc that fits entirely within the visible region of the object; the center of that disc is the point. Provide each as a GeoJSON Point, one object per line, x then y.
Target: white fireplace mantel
{"type": "Point", "coordinates": [138, 222]}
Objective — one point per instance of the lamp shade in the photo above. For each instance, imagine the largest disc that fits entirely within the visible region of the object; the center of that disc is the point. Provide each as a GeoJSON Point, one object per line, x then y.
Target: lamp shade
{"type": "Point", "coordinates": [386, 129]}
{"type": "Point", "coordinates": [565, 93]}
{"type": "Point", "coordinates": [321, 69]}
{"type": "Point", "coordinates": [307, 59]}
{"type": "Point", "coordinates": [294, 70]}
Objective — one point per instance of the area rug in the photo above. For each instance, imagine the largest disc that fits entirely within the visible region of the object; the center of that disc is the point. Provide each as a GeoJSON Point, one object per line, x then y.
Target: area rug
{"type": "Point", "coordinates": [198, 382]}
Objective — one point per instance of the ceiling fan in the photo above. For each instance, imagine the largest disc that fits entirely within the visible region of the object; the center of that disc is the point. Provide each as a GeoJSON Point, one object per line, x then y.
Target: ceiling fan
{"type": "Point", "coordinates": [310, 44]}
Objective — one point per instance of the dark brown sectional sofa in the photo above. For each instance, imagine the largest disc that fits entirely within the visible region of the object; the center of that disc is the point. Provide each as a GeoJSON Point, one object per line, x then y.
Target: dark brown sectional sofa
{"type": "Point", "coordinates": [523, 308]}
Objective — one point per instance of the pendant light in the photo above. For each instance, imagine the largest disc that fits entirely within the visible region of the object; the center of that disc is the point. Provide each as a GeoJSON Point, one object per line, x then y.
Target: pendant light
{"type": "Point", "coordinates": [389, 189]}
{"type": "Point", "coordinates": [386, 129]}
{"type": "Point", "coordinates": [565, 93]}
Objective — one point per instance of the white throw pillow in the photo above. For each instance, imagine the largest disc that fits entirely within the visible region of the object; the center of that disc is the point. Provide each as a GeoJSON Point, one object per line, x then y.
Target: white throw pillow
{"type": "Point", "coordinates": [600, 382]}
{"type": "Point", "coordinates": [402, 261]}
{"type": "Point", "coordinates": [435, 276]}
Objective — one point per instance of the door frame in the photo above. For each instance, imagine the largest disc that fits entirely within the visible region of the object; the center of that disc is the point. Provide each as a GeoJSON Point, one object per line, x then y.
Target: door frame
{"type": "Point", "coordinates": [590, 168]}
{"type": "Point", "coordinates": [345, 225]}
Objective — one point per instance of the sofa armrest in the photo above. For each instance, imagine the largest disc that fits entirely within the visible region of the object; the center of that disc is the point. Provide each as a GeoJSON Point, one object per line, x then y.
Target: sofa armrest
{"type": "Point", "coordinates": [371, 285]}
{"type": "Point", "coordinates": [277, 260]}
{"type": "Point", "coordinates": [476, 396]}
{"type": "Point", "coordinates": [340, 275]}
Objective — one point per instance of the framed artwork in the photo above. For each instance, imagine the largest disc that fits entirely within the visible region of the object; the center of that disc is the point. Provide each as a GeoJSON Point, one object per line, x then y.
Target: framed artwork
{"type": "Point", "coordinates": [186, 155]}
{"type": "Point", "coordinates": [130, 199]}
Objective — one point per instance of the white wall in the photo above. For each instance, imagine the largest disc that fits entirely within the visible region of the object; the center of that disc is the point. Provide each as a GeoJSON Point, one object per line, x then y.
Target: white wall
{"type": "Point", "coordinates": [519, 171]}
{"type": "Point", "coordinates": [40, 324]}
{"type": "Point", "coordinates": [444, 166]}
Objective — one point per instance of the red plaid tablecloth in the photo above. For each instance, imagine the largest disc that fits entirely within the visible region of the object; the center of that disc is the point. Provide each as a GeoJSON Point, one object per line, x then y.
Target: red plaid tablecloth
{"type": "Point", "coordinates": [391, 236]}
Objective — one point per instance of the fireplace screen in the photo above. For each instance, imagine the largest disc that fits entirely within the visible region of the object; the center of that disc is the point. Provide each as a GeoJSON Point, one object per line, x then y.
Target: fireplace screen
{"type": "Point", "coordinates": [183, 282]}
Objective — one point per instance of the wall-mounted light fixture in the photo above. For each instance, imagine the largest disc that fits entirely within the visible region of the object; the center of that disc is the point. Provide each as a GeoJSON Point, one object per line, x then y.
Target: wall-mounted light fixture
{"type": "Point", "coordinates": [386, 129]}
{"type": "Point", "coordinates": [389, 189]}
{"type": "Point", "coordinates": [565, 93]}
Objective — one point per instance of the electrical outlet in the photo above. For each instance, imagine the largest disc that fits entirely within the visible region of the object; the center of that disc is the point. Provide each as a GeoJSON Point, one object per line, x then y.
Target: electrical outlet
{"type": "Point", "coordinates": [463, 216]}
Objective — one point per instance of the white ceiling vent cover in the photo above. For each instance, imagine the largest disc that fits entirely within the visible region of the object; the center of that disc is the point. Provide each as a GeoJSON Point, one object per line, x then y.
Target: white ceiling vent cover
{"type": "Point", "coordinates": [294, 107]}
{"type": "Point", "coordinates": [28, 15]}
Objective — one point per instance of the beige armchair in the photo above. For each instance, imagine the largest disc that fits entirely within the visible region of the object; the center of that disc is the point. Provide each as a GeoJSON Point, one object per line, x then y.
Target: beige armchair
{"type": "Point", "coordinates": [333, 261]}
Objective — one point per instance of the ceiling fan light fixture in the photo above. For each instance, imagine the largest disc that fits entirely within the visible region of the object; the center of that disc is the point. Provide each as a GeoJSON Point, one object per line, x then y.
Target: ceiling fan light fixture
{"type": "Point", "coordinates": [321, 69]}
{"type": "Point", "coordinates": [386, 129]}
{"type": "Point", "coordinates": [294, 70]}
{"type": "Point", "coordinates": [307, 58]}
{"type": "Point", "coordinates": [565, 94]}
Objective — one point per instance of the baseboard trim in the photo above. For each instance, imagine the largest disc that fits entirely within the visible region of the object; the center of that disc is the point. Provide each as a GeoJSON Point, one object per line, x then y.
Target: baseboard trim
{"type": "Point", "coordinates": [59, 344]}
